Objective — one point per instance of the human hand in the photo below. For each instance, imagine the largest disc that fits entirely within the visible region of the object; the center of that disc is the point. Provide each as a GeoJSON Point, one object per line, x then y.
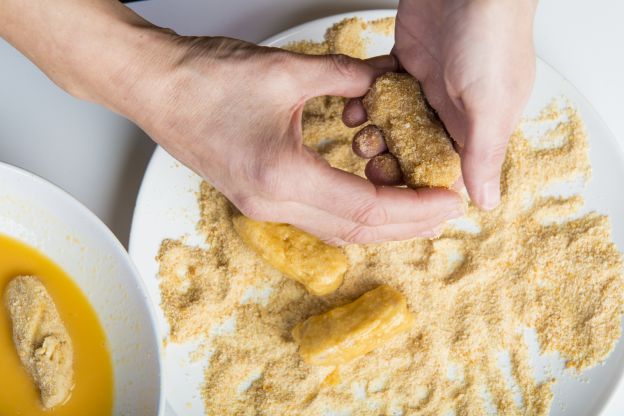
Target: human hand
{"type": "Point", "coordinates": [231, 111]}
{"type": "Point", "coordinates": [476, 63]}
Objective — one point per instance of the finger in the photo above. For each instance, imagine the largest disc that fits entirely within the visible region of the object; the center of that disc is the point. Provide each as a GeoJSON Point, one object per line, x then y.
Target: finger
{"type": "Point", "coordinates": [353, 198]}
{"type": "Point", "coordinates": [459, 185]}
{"type": "Point", "coordinates": [399, 66]}
{"type": "Point", "coordinates": [362, 234]}
{"type": "Point", "coordinates": [384, 170]}
{"type": "Point", "coordinates": [482, 158]}
{"type": "Point", "coordinates": [353, 113]}
{"type": "Point", "coordinates": [369, 142]}
{"type": "Point", "coordinates": [341, 75]}
{"type": "Point", "coordinates": [450, 110]}
{"type": "Point", "coordinates": [451, 115]}
{"type": "Point", "coordinates": [386, 63]}
{"type": "Point", "coordinates": [481, 146]}
{"type": "Point", "coordinates": [338, 231]}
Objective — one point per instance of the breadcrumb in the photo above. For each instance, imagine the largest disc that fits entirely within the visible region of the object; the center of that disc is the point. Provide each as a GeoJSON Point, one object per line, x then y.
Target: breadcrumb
{"type": "Point", "coordinates": [534, 262]}
{"type": "Point", "coordinates": [413, 133]}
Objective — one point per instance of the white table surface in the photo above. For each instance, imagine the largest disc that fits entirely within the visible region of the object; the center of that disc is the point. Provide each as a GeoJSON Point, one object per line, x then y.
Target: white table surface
{"type": "Point", "coordinates": [100, 157]}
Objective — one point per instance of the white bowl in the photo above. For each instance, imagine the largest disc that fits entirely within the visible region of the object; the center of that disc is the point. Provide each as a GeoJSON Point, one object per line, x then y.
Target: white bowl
{"type": "Point", "coordinates": [42, 215]}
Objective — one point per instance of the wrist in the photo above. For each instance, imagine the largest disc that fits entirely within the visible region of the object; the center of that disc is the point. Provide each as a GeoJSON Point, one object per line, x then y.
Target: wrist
{"type": "Point", "coordinates": [129, 70]}
{"type": "Point", "coordinates": [171, 76]}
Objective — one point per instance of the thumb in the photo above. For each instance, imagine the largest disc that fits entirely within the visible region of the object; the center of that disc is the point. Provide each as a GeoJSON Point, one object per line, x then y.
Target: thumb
{"type": "Point", "coordinates": [482, 157]}
{"type": "Point", "coordinates": [341, 75]}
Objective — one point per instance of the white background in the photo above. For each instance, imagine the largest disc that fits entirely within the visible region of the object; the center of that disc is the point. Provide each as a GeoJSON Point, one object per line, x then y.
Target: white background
{"type": "Point", "coordinates": [100, 157]}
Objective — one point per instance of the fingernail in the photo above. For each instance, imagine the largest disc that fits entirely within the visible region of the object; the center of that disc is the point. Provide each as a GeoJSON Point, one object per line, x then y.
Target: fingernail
{"type": "Point", "coordinates": [354, 113]}
{"type": "Point", "coordinates": [489, 197]}
{"type": "Point", "coordinates": [369, 142]}
{"type": "Point", "coordinates": [385, 62]}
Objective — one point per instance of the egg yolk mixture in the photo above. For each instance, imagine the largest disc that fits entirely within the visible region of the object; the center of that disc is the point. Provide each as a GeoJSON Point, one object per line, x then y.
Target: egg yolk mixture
{"type": "Point", "coordinates": [92, 393]}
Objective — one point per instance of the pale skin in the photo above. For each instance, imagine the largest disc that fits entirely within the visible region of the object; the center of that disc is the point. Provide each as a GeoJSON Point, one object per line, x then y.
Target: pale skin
{"type": "Point", "coordinates": [231, 110]}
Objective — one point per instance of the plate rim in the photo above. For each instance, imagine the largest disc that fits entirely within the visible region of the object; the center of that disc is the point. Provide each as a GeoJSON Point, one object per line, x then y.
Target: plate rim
{"type": "Point", "coordinates": [618, 381]}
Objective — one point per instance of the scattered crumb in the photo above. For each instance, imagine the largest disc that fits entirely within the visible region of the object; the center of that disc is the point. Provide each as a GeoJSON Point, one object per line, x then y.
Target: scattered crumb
{"type": "Point", "coordinates": [383, 26]}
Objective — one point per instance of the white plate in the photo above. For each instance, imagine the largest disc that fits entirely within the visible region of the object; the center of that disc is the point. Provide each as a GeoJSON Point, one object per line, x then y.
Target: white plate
{"type": "Point", "coordinates": [40, 214]}
{"type": "Point", "coordinates": [167, 208]}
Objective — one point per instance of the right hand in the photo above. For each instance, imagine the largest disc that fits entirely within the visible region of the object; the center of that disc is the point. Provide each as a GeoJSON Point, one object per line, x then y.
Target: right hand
{"type": "Point", "coordinates": [231, 111]}
{"type": "Point", "coordinates": [476, 63]}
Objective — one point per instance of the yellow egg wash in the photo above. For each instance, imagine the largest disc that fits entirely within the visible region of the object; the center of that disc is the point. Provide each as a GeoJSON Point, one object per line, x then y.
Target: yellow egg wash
{"type": "Point", "coordinates": [93, 373]}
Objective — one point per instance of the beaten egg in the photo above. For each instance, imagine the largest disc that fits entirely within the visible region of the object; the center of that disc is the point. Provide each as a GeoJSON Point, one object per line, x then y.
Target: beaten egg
{"type": "Point", "coordinates": [92, 393]}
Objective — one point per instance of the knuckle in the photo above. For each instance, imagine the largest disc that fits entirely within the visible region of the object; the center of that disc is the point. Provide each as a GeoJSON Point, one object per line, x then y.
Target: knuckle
{"type": "Point", "coordinates": [267, 182]}
{"type": "Point", "coordinates": [346, 66]}
{"type": "Point", "coordinates": [361, 234]}
{"type": "Point", "coordinates": [253, 208]}
{"type": "Point", "coordinates": [371, 214]}
{"type": "Point", "coordinates": [494, 154]}
{"type": "Point", "coordinates": [484, 157]}
{"type": "Point", "coordinates": [282, 65]}
{"type": "Point", "coordinates": [278, 69]}
{"type": "Point", "coordinates": [267, 177]}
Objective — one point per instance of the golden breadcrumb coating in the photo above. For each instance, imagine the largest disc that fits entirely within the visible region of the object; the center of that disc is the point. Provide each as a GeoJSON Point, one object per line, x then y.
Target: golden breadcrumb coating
{"type": "Point", "coordinates": [413, 132]}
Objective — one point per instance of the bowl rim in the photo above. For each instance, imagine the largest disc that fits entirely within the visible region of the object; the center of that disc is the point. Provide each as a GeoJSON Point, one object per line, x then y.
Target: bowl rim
{"type": "Point", "coordinates": [103, 230]}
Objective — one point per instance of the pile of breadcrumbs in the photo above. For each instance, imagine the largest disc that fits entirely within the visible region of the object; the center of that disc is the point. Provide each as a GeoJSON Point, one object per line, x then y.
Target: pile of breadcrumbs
{"type": "Point", "coordinates": [533, 262]}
